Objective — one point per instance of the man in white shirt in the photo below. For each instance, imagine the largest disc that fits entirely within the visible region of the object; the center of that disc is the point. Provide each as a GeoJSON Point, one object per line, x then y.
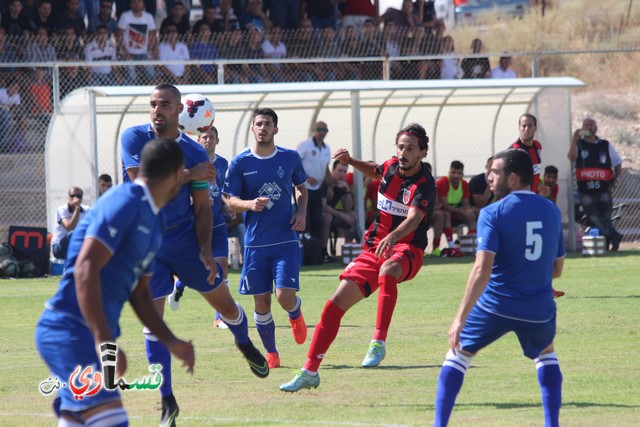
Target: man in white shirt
{"type": "Point", "coordinates": [503, 71]}
{"type": "Point", "coordinates": [9, 99]}
{"type": "Point", "coordinates": [101, 48]}
{"type": "Point", "coordinates": [67, 218]}
{"type": "Point", "coordinates": [315, 155]}
{"type": "Point", "coordinates": [137, 40]}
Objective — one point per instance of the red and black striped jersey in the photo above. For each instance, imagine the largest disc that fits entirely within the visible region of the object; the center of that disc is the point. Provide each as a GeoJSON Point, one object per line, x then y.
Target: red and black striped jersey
{"type": "Point", "coordinates": [536, 159]}
{"type": "Point", "coordinates": [396, 195]}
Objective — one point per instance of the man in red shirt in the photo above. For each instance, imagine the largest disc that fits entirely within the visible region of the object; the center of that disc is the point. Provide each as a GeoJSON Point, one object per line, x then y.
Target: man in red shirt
{"type": "Point", "coordinates": [393, 249]}
{"type": "Point", "coordinates": [527, 126]}
{"type": "Point", "coordinates": [454, 195]}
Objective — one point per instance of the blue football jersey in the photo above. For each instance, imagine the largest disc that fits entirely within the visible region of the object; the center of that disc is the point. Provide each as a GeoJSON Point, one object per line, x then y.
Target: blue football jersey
{"type": "Point", "coordinates": [128, 223]}
{"type": "Point", "coordinates": [215, 191]}
{"type": "Point", "coordinates": [133, 139]}
{"type": "Point", "coordinates": [251, 176]}
{"type": "Point", "coordinates": [524, 231]}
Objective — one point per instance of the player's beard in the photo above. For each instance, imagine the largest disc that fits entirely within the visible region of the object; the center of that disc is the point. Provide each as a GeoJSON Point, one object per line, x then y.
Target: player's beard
{"type": "Point", "coordinates": [265, 142]}
{"type": "Point", "coordinates": [500, 188]}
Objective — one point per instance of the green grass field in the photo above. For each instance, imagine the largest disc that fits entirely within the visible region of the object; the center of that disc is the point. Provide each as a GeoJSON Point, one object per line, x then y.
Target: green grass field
{"type": "Point", "coordinates": [597, 343]}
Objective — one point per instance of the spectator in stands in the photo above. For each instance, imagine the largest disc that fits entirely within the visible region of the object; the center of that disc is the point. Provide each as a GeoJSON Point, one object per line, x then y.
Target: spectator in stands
{"type": "Point", "coordinates": [208, 17]}
{"type": "Point", "coordinates": [481, 195]}
{"type": "Point", "coordinates": [225, 18]}
{"type": "Point", "coordinates": [450, 68]}
{"type": "Point", "coordinates": [16, 22]}
{"type": "Point", "coordinates": [285, 13]}
{"type": "Point", "coordinates": [179, 18]}
{"type": "Point", "coordinates": [101, 48]}
{"type": "Point", "coordinates": [105, 182]}
{"type": "Point", "coordinates": [40, 50]}
{"type": "Point", "coordinates": [476, 68]}
{"type": "Point", "coordinates": [203, 49]}
{"type": "Point", "coordinates": [256, 73]}
{"type": "Point", "coordinates": [42, 17]}
{"type": "Point", "coordinates": [9, 102]}
{"type": "Point", "coordinates": [321, 13]}
{"type": "Point", "coordinates": [406, 16]}
{"type": "Point", "coordinates": [356, 12]}
{"type": "Point", "coordinates": [70, 19]}
{"type": "Point", "coordinates": [40, 94]}
{"type": "Point", "coordinates": [137, 41]}
{"type": "Point", "coordinates": [274, 48]}
{"type": "Point", "coordinates": [123, 6]}
{"type": "Point", "coordinates": [68, 44]}
{"type": "Point", "coordinates": [391, 42]}
{"type": "Point", "coordinates": [371, 46]}
{"type": "Point", "coordinates": [103, 17]}
{"type": "Point", "coordinates": [171, 49]}
{"type": "Point", "coordinates": [256, 17]}
{"type": "Point", "coordinates": [338, 208]}
{"type": "Point", "coordinates": [7, 55]}
{"type": "Point", "coordinates": [550, 181]}
{"type": "Point", "coordinates": [351, 48]}
{"type": "Point", "coordinates": [235, 48]}
{"type": "Point", "coordinates": [329, 47]}
{"type": "Point", "coordinates": [454, 194]}
{"type": "Point", "coordinates": [503, 71]}
{"type": "Point", "coordinates": [304, 44]}
{"type": "Point", "coordinates": [71, 76]}
{"type": "Point", "coordinates": [67, 218]}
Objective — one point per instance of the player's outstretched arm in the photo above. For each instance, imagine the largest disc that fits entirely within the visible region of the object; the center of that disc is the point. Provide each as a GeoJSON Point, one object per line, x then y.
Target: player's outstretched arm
{"type": "Point", "coordinates": [477, 281]}
{"type": "Point", "coordinates": [299, 218]}
{"type": "Point", "coordinates": [142, 304]}
{"type": "Point", "coordinates": [93, 256]}
{"type": "Point", "coordinates": [367, 168]}
{"type": "Point", "coordinates": [204, 171]}
{"type": "Point", "coordinates": [203, 225]}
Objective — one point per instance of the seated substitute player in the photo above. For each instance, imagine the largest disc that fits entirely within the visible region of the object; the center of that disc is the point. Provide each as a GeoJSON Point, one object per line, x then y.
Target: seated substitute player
{"type": "Point", "coordinates": [186, 247]}
{"type": "Point", "coordinates": [520, 251]}
{"type": "Point", "coordinates": [110, 262]}
{"type": "Point", "coordinates": [481, 195]}
{"type": "Point", "coordinates": [260, 183]}
{"type": "Point", "coordinates": [219, 239]}
{"type": "Point", "coordinates": [393, 249]}
{"type": "Point", "coordinates": [550, 182]}
{"type": "Point", "coordinates": [454, 195]}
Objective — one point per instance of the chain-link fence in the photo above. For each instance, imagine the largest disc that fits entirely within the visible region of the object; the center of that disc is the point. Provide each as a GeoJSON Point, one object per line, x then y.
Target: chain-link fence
{"type": "Point", "coordinates": [36, 73]}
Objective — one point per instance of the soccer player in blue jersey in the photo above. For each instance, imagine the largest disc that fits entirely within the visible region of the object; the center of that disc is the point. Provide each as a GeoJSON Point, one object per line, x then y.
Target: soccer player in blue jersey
{"type": "Point", "coordinates": [109, 262]}
{"type": "Point", "coordinates": [260, 183]}
{"type": "Point", "coordinates": [186, 249]}
{"type": "Point", "coordinates": [520, 250]}
{"type": "Point", "coordinates": [219, 238]}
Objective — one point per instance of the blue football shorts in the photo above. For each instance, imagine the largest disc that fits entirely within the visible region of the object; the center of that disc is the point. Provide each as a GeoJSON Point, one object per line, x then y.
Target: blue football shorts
{"type": "Point", "coordinates": [220, 241]}
{"type": "Point", "coordinates": [64, 344]}
{"type": "Point", "coordinates": [265, 265]}
{"type": "Point", "coordinates": [482, 328]}
{"type": "Point", "coordinates": [180, 256]}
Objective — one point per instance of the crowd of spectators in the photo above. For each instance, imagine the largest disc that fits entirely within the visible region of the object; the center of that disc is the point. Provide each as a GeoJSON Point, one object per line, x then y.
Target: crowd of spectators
{"type": "Point", "coordinates": [88, 33]}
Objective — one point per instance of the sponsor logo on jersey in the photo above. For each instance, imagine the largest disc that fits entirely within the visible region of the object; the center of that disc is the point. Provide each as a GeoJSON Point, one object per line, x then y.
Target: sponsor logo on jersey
{"type": "Point", "coordinates": [391, 206]}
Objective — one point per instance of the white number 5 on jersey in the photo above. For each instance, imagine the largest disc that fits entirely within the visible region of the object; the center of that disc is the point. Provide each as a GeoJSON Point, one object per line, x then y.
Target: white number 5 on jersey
{"type": "Point", "coordinates": [534, 241]}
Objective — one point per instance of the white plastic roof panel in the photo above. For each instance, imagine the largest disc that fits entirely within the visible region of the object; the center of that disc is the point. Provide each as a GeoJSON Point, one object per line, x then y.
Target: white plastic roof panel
{"type": "Point", "coordinates": [466, 120]}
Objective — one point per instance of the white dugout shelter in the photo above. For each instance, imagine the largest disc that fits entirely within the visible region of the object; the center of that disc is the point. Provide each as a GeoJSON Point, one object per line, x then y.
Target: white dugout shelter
{"type": "Point", "coordinates": [466, 120]}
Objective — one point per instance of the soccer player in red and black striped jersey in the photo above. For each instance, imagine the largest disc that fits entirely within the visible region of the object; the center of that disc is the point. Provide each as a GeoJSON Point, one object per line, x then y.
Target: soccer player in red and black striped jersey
{"type": "Point", "coordinates": [393, 249]}
{"type": "Point", "coordinates": [527, 125]}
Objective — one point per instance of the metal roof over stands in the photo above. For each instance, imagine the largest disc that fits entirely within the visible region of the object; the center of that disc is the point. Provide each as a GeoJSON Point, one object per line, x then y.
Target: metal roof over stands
{"type": "Point", "coordinates": [466, 120]}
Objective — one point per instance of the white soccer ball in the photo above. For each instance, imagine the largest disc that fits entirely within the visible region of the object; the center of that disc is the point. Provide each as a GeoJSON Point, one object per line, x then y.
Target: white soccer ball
{"type": "Point", "coordinates": [197, 115]}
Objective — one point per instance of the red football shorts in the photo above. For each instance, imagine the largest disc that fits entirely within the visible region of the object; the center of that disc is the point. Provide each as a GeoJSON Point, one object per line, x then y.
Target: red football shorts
{"type": "Point", "coordinates": [365, 269]}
